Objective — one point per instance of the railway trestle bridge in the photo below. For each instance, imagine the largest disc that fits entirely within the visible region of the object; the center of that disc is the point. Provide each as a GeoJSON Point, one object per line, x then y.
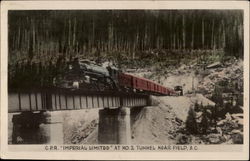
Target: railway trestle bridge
{"type": "Point", "coordinates": [35, 120]}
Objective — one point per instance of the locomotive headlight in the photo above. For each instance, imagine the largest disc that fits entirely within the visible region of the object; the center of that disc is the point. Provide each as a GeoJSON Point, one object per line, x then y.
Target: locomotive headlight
{"type": "Point", "coordinates": [87, 79]}
{"type": "Point", "coordinates": [76, 84]}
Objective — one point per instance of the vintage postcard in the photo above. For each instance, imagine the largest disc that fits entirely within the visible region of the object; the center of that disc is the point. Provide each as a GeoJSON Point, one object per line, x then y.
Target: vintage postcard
{"type": "Point", "coordinates": [125, 80]}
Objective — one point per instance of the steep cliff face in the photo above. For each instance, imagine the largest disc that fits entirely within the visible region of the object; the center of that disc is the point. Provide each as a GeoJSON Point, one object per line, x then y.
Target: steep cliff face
{"type": "Point", "coordinates": [162, 122]}
{"type": "Point", "coordinates": [153, 125]}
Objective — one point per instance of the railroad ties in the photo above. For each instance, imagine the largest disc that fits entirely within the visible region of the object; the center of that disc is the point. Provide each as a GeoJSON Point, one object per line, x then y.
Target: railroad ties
{"type": "Point", "coordinates": [65, 99]}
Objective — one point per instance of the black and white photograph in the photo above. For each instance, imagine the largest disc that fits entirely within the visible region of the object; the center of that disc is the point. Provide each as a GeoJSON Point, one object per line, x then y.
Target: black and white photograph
{"type": "Point", "coordinates": [151, 79]}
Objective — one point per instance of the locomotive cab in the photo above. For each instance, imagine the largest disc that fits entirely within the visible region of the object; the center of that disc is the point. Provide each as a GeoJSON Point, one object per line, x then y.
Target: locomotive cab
{"type": "Point", "coordinates": [114, 74]}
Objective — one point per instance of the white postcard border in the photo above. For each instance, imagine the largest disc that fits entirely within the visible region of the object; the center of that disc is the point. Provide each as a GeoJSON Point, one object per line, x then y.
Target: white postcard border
{"type": "Point", "coordinates": [75, 5]}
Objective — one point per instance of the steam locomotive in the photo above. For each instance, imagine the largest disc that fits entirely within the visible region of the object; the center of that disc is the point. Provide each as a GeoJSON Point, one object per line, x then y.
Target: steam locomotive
{"type": "Point", "coordinates": [87, 75]}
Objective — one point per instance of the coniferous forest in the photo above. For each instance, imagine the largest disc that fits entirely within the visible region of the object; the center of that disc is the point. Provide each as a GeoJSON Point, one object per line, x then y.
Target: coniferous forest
{"type": "Point", "coordinates": [45, 37]}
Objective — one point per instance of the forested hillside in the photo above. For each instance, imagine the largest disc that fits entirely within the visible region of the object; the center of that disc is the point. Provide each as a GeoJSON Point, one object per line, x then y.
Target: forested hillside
{"type": "Point", "coordinates": [44, 34]}
{"type": "Point", "coordinates": [41, 42]}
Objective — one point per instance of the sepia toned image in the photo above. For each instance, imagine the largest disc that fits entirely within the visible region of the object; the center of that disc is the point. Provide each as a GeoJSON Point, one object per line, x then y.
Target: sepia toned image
{"type": "Point", "coordinates": [90, 79]}
{"type": "Point", "coordinates": [126, 77]}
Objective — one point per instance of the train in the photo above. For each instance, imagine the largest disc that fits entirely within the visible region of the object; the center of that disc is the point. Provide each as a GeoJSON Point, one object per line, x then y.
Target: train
{"type": "Point", "coordinates": [138, 84]}
{"type": "Point", "coordinates": [87, 75]}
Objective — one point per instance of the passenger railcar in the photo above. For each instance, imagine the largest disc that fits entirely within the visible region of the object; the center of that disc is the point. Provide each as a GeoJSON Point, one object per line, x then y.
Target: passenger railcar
{"type": "Point", "coordinates": [131, 82]}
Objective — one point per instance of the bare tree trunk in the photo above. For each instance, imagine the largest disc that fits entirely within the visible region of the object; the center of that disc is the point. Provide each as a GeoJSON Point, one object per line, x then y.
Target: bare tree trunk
{"type": "Point", "coordinates": [69, 38]}
{"type": "Point", "coordinates": [212, 36]}
{"type": "Point", "coordinates": [223, 35]}
{"type": "Point", "coordinates": [202, 34]}
{"type": "Point", "coordinates": [192, 40]}
{"type": "Point", "coordinates": [33, 36]}
{"type": "Point", "coordinates": [183, 32]}
{"type": "Point", "coordinates": [174, 46]}
{"type": "Point", "coordinates": [74, 34]}
{"type": "Point", "coordinates": [93, 32]}
{"type": "Point", "coordinates": [18, 37]}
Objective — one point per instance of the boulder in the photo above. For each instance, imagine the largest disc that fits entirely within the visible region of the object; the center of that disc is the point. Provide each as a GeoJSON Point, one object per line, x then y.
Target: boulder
{"type": "Point", "coordinates": [236, 131]}
{"type": "Point", "coordinates": [228, 117]}
{"type": "Point", "coordinates": [218, 129]}
{"type": "Point", "coordinates": [221, 122]}
{"type": "Point", "coordinates": [215, 138]}
{"type": "Point", "coordinates": [238, 115]}
{"type": "Point", "coordinates": [214, 65]}
{"type": "Point", "coordinates": [237, 138]}
{"type": "Point", "coordinates": [240, 122]}
{"type": "Point", "coordinates": [182, 139]}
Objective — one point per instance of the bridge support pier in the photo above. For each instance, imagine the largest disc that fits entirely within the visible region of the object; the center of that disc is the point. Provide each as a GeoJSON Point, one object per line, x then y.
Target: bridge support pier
{"type": "Point", "coordinates": [37, 128]}
{"type": "Point", "coordinates": [124, 129]}
{"type": "Point", "coordinates": [114, 126]}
